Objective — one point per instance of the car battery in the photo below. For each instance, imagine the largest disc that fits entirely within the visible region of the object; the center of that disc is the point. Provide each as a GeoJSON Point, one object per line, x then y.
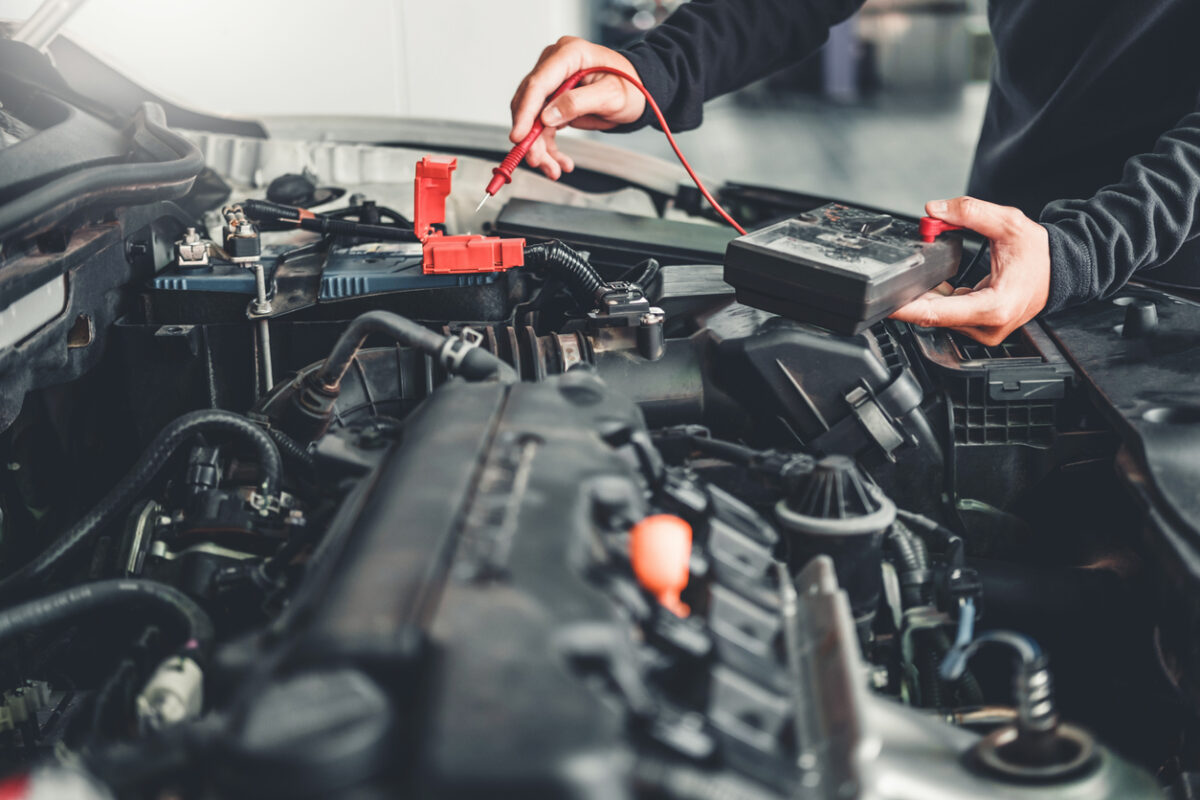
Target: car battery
{"type": "Point", "coordinates": [838, 267]}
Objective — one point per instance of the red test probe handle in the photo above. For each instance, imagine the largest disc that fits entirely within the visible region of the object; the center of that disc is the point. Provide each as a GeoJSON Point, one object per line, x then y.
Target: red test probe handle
{"type": "Point", "coordinates": [502, 174]}
{"type": "Point", "coordinates": [932, 227]}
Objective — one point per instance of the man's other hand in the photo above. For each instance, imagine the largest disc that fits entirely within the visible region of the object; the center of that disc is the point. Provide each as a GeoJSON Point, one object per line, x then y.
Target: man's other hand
{"type": "Point", "coordinates": [599, 102]}
{"type": "Point", "coordinates": [1014, 292]}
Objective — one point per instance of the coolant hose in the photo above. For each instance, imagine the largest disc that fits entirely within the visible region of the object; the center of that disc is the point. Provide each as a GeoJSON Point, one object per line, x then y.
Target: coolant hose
{"type": "Point", "coordinates": [179, 609]}
{"type": "Point", "coordinates": [569, 266]}
{"type": "Point", "coordinates": [475, 364]}
{"type": "Point", "coordinates": [134, 483]}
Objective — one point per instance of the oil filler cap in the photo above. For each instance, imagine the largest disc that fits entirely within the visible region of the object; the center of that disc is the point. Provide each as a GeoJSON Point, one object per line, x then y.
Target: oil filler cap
{"type": "Point", "coordinates": [839, 267]}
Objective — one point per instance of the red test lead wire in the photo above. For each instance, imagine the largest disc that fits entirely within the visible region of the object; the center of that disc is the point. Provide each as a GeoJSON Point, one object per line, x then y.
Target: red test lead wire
{"type": "Point", "coordinates": [504, 172]}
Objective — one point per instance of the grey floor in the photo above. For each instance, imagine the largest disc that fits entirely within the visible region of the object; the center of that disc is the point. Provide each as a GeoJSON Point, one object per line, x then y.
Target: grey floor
{"type": "Point", "coordinates": [890, 151]}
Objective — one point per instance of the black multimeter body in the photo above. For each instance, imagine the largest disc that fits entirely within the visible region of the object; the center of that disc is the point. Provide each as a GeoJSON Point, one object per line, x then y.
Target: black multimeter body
{"type": "Point", "coordinates": [838, 267]}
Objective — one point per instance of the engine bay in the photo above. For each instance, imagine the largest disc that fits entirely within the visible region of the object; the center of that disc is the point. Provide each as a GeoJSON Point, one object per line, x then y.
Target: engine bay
{"type": "Point", "coordinates": [293, 508]}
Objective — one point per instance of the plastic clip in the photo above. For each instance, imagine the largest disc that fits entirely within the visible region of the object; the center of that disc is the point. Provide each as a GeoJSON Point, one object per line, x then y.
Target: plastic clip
{"type": "Point", "coordinates": [456, 349]}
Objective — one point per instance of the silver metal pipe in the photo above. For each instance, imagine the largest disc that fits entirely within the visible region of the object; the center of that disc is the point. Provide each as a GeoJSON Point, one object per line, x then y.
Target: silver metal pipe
{"type": "Point", "coordinates": [264, 350]}
{"type": "Point", "coordinates": [263, 306]}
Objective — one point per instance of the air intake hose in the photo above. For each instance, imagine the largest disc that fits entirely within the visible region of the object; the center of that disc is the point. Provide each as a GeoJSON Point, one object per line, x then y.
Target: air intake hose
{"type": "Point", "coordinates": [314, 394]}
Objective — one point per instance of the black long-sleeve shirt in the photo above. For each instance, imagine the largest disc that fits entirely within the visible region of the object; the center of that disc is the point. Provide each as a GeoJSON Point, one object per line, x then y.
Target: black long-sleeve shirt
{"type": "Point", "coordinates": [1092, 126]}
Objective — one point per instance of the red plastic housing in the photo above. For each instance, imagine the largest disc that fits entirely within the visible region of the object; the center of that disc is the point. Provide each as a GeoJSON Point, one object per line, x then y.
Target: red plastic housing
{"type": "Point", "coordinates": [457, 254]}
{"type": "Point", "coordinates": [432, 187]}
{"type": "Point", "coordinates": [454, 254]}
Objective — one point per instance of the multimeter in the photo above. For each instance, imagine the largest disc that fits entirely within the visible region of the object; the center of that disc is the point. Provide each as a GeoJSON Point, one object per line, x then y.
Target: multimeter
{"type": "Point", "coordinates": [838, 267]}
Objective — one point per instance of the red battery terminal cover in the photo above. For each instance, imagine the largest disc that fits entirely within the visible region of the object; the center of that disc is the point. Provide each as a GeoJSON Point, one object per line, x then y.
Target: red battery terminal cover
{"type": "Point", "coordinates": [454, 255]}
{"type": "Point", "coordinates": [932, 227]}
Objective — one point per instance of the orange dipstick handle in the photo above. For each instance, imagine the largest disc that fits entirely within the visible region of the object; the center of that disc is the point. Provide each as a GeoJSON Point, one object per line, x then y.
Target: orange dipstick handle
{"type": "Point", "coordinates": [660, 548]}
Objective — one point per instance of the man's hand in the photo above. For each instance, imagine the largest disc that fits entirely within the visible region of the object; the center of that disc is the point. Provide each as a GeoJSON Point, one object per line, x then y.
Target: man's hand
{"type": "Point", "coordinates": [1014, 292]}
{"type": "Point", "coordinates": [599, 102]}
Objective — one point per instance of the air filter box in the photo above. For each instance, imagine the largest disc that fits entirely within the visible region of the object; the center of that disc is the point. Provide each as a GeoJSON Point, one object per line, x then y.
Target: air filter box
{"type": "Point", "coordinates": [838, 267]}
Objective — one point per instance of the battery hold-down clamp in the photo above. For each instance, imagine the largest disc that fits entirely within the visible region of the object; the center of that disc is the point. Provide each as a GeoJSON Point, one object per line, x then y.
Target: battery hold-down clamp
{"type": "Point", "coordinates": [454, 255]}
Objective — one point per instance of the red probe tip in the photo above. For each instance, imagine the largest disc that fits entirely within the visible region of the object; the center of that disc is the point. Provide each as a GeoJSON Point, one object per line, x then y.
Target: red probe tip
{"type": "Point", "coordinates": [499, 179]}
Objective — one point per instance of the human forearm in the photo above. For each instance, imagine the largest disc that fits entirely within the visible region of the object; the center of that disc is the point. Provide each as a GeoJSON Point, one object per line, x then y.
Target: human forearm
{"type": "Point", "coordinates": [1141, 222]}
{"type": "Point", "coordinates": [710, 47]}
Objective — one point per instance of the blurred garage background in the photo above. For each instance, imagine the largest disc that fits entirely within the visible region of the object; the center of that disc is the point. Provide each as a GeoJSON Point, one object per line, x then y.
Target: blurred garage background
{"type": "Point", "coordinates": [887, 114]}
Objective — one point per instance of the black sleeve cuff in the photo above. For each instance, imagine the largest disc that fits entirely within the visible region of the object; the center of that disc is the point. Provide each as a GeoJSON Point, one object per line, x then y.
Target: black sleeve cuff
{"type": "Point", "coordinates": [653, 74]}
{"type": "Point", "coordinates": [1073, 278]}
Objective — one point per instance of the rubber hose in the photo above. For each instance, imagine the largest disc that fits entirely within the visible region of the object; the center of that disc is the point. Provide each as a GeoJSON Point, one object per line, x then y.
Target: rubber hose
{"type": "Point", "coordinates": [914, 558]}
{"type": "Point", "coordinates": [569, 266]}
{"type": "Point", "coordinates": [291, 448]}
{"type": "Point", "coordinates": [194, 624]}
{"type": "Point", "coordinates": [477, 364]}
{"type": "Point", "coordinates": [134, 183]}
{"type": "Point", "coordinates": [727, 451]}
{"type": "Point", "coordinates": [927, 660]}
{"type": "Point", "coordinates": [135, 482]}
{"type": "Point", "coordinates": [907, 551]}
{"type": "Point", "coordinates": [920, 546]}
{"type": "Point", "coordinates": [951, 541]}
